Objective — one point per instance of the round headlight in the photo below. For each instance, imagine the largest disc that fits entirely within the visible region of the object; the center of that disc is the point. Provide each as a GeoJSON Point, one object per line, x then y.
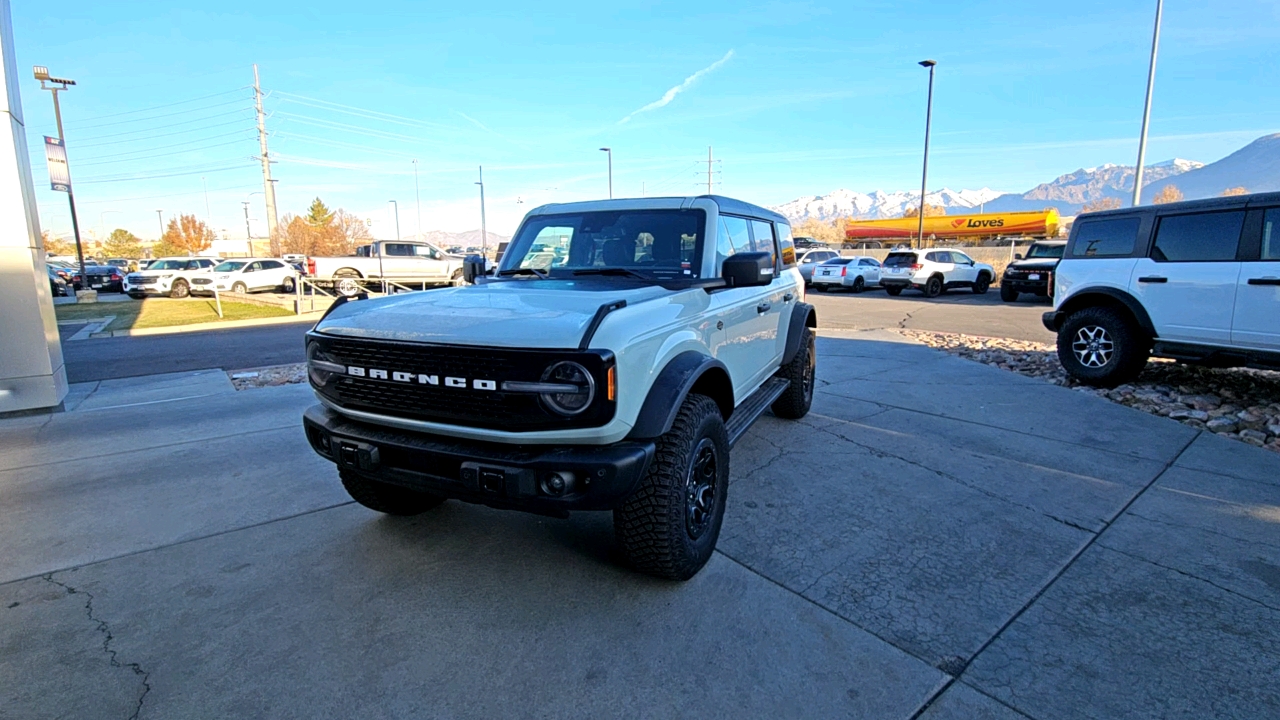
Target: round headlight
{"type": "Point", "coordinates": [320, 366]}
{"type": "Point", "coordinates": [569, 373]}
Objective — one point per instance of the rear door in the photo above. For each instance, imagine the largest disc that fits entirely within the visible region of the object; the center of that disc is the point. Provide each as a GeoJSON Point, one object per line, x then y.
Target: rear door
{"type": "Point", "coordinates": [966, 269]}
{"type": "Point", "coordinates": [1256, 319]}
{"type": "Point", "coordinates": [941, 262]}
{"type": "Point", "coordinates": [781, 292]}
{"type": "Point", "coordinates": [870, 270]}
{"type": "Point", "coordinates": [1188, 281]}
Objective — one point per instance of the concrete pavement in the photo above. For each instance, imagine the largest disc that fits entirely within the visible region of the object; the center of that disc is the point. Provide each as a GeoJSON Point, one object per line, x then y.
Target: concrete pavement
{"type": "Point", "coordinates": [936, 539]}
{"type": "Point", "coordinates": [958, 311]}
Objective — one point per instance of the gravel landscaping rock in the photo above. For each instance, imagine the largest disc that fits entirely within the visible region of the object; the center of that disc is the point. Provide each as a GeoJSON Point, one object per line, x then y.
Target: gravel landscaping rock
{"type": "Point", "coordinates": [268, 376]}
{"type": "Point", "coordinates": [1236, 403]}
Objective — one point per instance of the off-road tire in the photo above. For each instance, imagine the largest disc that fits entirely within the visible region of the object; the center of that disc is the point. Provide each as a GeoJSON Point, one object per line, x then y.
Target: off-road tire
{"type": "Point", "coordinates": [652, 528]}
{"type": "Point", "coordinates": [240, 288]}
{"type": "Point", "coordinates": [794, 403]}
{"type": "Point", "coordinates": [933, 287]}
{"type": "Point", "coordinates": [859, 284]}
{"type": "Point", "coordinates": [179, 289]}
{"type": "Point", "coordinates": [385, 498]}
{"type": "Point", "coordinates": [982, 285]}
{"type": "Point", "coordinates": [893, 290]}
{"type": "Point", "coordinates": [1008, 294]}
{"type": "Point", "coordinates": [1129, 347]}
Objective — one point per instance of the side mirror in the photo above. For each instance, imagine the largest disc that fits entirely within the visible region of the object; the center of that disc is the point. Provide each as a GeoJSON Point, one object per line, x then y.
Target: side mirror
{"type": "Point", "coordinates": [472, 268]}
{"type": "Point", "coordinates": [747, 269]}
{"type": "Point", "coordinates": [1017, 256]}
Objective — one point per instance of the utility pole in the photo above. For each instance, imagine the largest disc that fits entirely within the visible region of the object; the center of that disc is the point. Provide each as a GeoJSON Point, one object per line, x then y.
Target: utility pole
{"type": "Point", "coordinates": [484, 232]}
{"type": "Point", "coordinates": [208, 216]}
{"type": "Point", "coordinates": [1146, 110]}
{"type": "Point", "coordinates": [924, 174]}
{"type": "Point", "coordinates": [42, 74]}
{"type": "Point", "coordinates": [269, 188]}
{"type": "Point", "coordinates": [417, 197]}
{"type": "Point", "coordinates": [609, 152]}
{"type": "Point", "coordinates": [708, 170]}
{"type": "Point", "coordinates": [160, 219]}
{"type": "Point", "coordinates": [248, 234]}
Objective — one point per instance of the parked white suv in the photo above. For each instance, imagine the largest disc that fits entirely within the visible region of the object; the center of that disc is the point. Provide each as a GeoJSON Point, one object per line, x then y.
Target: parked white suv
{"type": "Point", "coordinates": [245, 275]}
{"type": "Point", "coordinates": [619, 352]}
{"type": "Point", "coordinates": [170, 276]}
{"type": "Point", "coordinates": [1195, 281]}
{"type": "Point", "coordinates": [933, 271]}
{"type": "Point", "coordinates": [808, 260]}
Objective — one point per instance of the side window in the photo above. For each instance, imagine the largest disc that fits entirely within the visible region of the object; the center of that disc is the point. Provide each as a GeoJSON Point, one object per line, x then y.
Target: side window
{"type": "Point", "coordinates": [732, 238]}
{"type": "Point", "coordinates": [1271, 235]}
{"type": "Point", "coordinates": [959, 257]}
{"type": "Point", "coordinates": [271, 265]}
{"type": "Point", "coordinates": [397, 249]}
{"type": "Point", "coordinates": [1105, 238]}
{"type": "Point", "coordinates": [1202, 237]}
{"type": "Point", "coordinates": [786, 245]}
{"type": "Point", "coordinates": [762, 239]}
{"type": "Point", "coordinates": [253, 267]}
{"type": "Point", "coordinates": [937, 257]}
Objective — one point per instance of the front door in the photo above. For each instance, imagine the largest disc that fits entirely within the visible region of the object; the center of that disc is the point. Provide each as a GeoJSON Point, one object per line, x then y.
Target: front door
{"type": "Point", "coordinates": [966, 270]}
{"type": "Point", "coordinates": [749, 342]}
{"type": "Point", "coordinates": [1188, 282]}
{"type": "Point", "coordinates": [1256, 323]}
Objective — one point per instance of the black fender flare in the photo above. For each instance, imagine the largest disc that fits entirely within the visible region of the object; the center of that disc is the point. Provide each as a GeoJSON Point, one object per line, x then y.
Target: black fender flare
{"type": "Point", "coordinates": [802, 316]}
{"type": "Point", "coordinates": [673, 384]}
{"type": "Point", "coordinates": [1086, 297]}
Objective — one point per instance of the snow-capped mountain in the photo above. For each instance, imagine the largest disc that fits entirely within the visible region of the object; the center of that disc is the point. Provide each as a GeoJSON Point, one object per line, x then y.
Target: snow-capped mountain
{"type": "Point", "coordinates": [879, 204]}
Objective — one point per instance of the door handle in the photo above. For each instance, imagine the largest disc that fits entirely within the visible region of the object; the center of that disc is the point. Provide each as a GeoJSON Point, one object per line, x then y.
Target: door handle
{"type": "Point", "coordinates": [788, 298]}
{"type": "Point", "coordinates": [763, 307]}
{"type": "Point", "coordinates": [1153, 279]}
{"type": "Point", "coordinates": [1264, 281]}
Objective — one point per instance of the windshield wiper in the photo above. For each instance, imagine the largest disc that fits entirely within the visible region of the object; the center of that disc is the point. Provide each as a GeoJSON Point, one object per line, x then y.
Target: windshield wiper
{"type": "Point", "coordinates": [622, 272]}
{"type": "Point", "coordinates": [541, 274]}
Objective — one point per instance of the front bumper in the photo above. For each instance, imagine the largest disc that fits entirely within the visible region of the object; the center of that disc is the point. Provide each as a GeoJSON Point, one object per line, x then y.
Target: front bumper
{"type": "Point", "coordinates": [494, 474]}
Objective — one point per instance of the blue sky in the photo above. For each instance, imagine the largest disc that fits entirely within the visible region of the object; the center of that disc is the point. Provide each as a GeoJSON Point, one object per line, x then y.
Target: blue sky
{"type": "Point", "coordinates": [797, 98]}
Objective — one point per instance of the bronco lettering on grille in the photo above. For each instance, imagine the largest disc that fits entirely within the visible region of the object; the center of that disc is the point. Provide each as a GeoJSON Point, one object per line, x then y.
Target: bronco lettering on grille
{"type": "Point", "coordinates": [421, 379]}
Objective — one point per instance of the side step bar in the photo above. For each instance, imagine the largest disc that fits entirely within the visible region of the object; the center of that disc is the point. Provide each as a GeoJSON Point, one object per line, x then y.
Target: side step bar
{"type": "Point", "coordinates": [744, 416]}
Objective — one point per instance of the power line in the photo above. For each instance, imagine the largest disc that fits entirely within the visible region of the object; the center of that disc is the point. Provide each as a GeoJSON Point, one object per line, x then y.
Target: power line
{"type": "Point", "coordinates": [335, 125]}
{"type": "Point", "coordinates": [158, 117]}
{"type": "Point", "coordinates": [95, 158]}
{"type": "Point", "coordinates": [150, 155]}
{"type": "Point", "coordinates": [167, 125]}
{"type": "Point", "coordinates": [169, 195]}
{"type": "Point", "coordinates": [159, 107]}
{"type": "Point", "coordinates": [361, 112]}
{"type": "Point", "coordinates": [134, 178]}
{"type": "Point", "coordinates": [152, 137]}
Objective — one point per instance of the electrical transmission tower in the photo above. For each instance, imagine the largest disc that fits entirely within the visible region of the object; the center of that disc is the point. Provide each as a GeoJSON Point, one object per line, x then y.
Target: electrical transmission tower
{"type": "Point", "coordinates": [711, 172]}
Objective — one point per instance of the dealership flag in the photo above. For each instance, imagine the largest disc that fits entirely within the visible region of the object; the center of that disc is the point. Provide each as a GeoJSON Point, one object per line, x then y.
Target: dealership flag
{"type": "Point", "coordinates": [55, 152]}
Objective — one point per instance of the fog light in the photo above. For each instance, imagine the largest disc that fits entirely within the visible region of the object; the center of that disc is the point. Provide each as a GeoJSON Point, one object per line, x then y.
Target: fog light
{"type": "Point", "coordinates": [556, 484]}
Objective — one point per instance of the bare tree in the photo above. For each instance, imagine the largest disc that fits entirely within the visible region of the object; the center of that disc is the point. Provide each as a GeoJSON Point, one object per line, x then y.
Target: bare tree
{"type": "Point", "coordinates": [929, 211]}
{"type": "Point", "coordinates": [1232, 192]}
{"type": "Point", "coordinates": [1106, 203]}
{"type": "Point", "coordinates": [1168, 194]}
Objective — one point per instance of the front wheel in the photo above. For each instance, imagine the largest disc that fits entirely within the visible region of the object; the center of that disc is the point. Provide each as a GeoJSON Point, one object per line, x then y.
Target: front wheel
{"type": "Point", "coordinates": [457, 280]}
{"type": "Point", "coordinates": [179, 289]}
{"type": "Point", "coordinates": [240, 288]}
{"type": "Point", "coordinates": [385, 498]}
{"type": "Point", "coordinates": [982, 285]}
{"type": "Point", "coordinates": [1098, 346]}
{"type": "Point", "coordinates": [289, 285]}
{"type": "Point", "coordinates": [669, 526]}
{"type": "Point", "coordinates": [1008, 294]}
{"type": "Point", "coordinates": [893, 290]}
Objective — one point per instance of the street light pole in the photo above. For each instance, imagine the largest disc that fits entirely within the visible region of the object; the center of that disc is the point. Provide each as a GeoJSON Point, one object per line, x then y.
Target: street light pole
{"type": "Point", "coordinates": [609, 152]}
{"type": "Point", "coordinates": [160, 219]}
{"type": "Point", "coordinates": [417, 197]}
{"type": "Point", "coordinates": [42, 74]}
{"type": "Point", "coordinates": [248, 234]}
{"type": "Point", "coordinates": [1146, 110]}
{"type": "Point", "coordinates": [484, 232]}
{"type": "Point", "coordinates": [924, 174]}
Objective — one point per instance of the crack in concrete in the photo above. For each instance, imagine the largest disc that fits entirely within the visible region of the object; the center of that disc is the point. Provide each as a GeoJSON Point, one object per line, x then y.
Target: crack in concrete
{"type": "Point", "coordinates": [1193, 576]}
{"type": "Point", "coordinates": [105, 628]}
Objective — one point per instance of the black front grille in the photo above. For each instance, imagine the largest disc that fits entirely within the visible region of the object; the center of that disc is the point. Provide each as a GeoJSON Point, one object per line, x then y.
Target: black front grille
{"type": "Point", "coordinates": [468, 405]}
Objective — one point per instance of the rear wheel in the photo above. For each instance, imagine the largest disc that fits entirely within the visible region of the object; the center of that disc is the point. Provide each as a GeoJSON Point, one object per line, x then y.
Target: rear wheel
{"type": "Point", "coordinates": [982, 285]}
{"type": "Point", "coordinates": [894, 290]}
{"type": "Point", "coordinates": [1007, 293]}
{"type": "Point", "coordinates": [1099, 346]}
{"type": "Point", "coordinates": [820, 287]}
{"type": "Point", "coordinates": [385, 498]}
{"type": "Point", "coordinates": [859, 284]}
{"type": "Point", "coordinates": [933, 288]}
{"type": "Point", "coordinates": [669, 526]}
{"type": "Point", "coordinates": [794, 403]}
{"type": "Point", "coordinates": [179, 289]}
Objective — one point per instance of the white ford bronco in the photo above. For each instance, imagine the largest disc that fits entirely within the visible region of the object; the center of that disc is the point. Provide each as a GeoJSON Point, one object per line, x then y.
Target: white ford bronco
{"type": "Point", "coordinates": [611, 362]}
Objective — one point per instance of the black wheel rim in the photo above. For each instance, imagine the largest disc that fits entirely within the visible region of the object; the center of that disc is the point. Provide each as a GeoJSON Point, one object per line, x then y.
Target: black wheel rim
{"type": "Point", "coordinates": [700, 488]}
{"type": "Point", "coordinates": [810, 369]}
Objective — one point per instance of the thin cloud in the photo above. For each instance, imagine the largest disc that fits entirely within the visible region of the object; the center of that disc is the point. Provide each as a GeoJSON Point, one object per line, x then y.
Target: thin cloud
{"type": "Point", "coordinates": [671, 94]}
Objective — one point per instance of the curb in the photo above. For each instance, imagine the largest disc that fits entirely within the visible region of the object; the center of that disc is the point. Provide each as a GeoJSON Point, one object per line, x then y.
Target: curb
{"type": "Point", "coordinates": [204, 327]}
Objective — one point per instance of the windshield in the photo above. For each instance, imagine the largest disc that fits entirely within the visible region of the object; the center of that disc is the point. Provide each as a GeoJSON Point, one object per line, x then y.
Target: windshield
{"type": "Point", "coordinates": [1045, 251]}
{"type": "Point", "coordinates": [168, 265]}
{"type": "Point", "coordinates": [659, 243]}
{"type": "Point", "coordinates": [838, 261]}
{"type": "Point", "coordinates": [229, 266]}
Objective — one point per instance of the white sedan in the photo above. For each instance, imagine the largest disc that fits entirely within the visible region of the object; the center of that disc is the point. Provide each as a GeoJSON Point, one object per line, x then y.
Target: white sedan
{"type": "Point", "coordinates": [855, 273]}
{"type": "Point", "coordinates": [244, 275]}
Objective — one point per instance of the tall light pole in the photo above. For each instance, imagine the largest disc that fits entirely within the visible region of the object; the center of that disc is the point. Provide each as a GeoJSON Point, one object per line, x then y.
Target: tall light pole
{"type": "Point", "coordinates": [484, 232]}
{"type": "Point", "coordinates": [417, 197]}
{"type": "Point", "coordinates": [396, 205]}
{"type": "Point", "coordinates": [160, 219]}
{"type": "Point", "coordinates": [1146, 110]}
{"type": "Point", "coordinates": [609, 152]}
{"type": "Point", "coordinates": [248, 234]}
{"type": "Point", "coordinates": [924, 174]}
{"type": "Point", "coordinates": [57, 84]}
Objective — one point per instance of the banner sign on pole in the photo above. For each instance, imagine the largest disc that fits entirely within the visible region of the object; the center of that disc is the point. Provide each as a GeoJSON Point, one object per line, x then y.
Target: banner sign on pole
{"type": "Point", "coordinates": [55, 153]}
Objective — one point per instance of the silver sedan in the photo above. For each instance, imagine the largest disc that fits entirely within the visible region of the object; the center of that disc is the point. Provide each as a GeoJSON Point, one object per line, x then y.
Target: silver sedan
{"type": "Point", "coordinates": [855, 273]}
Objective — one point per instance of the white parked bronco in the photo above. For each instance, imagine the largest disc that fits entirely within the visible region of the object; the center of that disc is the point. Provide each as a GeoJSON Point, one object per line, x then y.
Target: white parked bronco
{"type": "Point", "coordinates": [611, 362]}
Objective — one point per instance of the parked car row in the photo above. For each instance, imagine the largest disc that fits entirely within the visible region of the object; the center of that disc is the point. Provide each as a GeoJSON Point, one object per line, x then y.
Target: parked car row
{"type": "Point", "coordinates": [931, 271]}
{"type": "Point", "coordinates": [178, 277]}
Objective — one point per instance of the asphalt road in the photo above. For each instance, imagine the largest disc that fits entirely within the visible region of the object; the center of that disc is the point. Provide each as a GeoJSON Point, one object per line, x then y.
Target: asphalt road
{"type": "Point", "coordinates": [958, 311]}
{"type": "Point", "coordinates": [108, 358]}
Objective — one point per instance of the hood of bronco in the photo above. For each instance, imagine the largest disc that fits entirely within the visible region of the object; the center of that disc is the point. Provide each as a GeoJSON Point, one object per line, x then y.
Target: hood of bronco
{"type": "Point", "coordinates": [513, 313]}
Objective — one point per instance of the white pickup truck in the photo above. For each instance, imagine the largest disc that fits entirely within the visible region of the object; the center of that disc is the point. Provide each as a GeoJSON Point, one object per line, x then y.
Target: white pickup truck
{"type": "Point", "coordinates": [406, 262]}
